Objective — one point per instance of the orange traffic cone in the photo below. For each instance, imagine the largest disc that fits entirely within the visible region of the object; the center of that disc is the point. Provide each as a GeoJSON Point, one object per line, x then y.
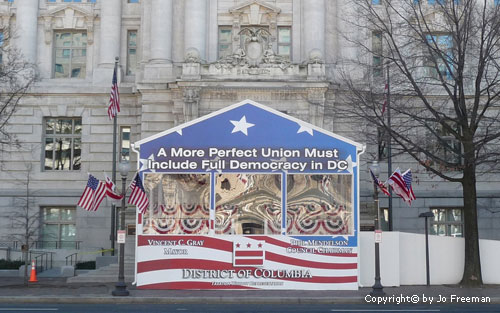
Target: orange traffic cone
{"type": "Point", "coordinates": [33, 273]}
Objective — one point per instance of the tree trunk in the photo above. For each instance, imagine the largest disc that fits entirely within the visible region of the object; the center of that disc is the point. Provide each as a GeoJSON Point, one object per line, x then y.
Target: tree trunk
{"type": "Point", "coordinates": [472, 271]}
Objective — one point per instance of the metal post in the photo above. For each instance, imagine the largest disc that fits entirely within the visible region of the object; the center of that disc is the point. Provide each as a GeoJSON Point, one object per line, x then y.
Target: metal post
{"type": "Point", "coordinates": [377, 288]}
{"type": "Point", "coordinates": [389, 145]}
{"type": "Point", "coordinates": [427, 253]}
{"type": "Point", "coordinates": [427, 266]}
{"type": "Point", "coordinates": [113, 177]}
{"type": "Point", "coordinates": [121, 287]}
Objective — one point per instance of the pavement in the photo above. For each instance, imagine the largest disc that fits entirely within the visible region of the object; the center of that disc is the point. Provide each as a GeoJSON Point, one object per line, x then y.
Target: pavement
{"type": "Point", "coordinates": [57, 290]}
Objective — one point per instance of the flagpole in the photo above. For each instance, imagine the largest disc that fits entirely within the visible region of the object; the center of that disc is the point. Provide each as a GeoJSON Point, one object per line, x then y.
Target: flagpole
{"type": "Point", "coordinates": [113, 207]}
{"type": "Point", "coordinates": [389, 147]}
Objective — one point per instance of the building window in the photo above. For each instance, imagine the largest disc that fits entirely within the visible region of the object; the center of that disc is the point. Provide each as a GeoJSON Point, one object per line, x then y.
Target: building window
{"type": "Point", "coordinates": [447, 222]}
{"type": "Point", "coordinates": [377, 65]}
{"type": "Point", "coordinates": [131, 52]}
{"type": "Point", "coordinates": [70, 55]}
{"type": "Point", "coordinates": [225, 42]}
{"type": "Point", "coordinates": [284, 41]}
{"type": "Point", "coordinates": [441, 61]}
{"type": "Point", "coordinates": [125, 142]}
{"type": "Point", "coordinates": [133, 1]}
{"type": "Point", "coordinates": [448, 147]}
{"type": "Point", "coordinates": [62, 143]}
{"type": "Point", "coordinates": [58, 228]}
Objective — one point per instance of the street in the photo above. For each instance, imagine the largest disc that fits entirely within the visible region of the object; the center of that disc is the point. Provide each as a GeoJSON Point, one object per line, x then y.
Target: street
{"type": "Point", "coordinates": [244, 308]}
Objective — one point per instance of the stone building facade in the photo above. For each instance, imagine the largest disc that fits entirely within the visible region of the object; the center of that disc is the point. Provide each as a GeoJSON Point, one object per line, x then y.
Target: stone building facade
{"type": "Point", "coordinates": [179, 60]}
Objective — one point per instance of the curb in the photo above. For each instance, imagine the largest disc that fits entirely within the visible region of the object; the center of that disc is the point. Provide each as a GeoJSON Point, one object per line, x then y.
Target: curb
{"type": "Point", "coordinates": [182, 300]}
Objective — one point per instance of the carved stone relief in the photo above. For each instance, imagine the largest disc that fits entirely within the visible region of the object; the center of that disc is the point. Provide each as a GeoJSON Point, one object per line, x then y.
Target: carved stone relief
{"type": "Point", "coordinates": [191, 97]}
{"type": "Point", "coordinates": [68, 17]}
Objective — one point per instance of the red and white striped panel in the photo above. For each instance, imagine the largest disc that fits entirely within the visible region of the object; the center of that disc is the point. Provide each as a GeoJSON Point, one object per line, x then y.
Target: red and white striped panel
{"type": "Point", "coordinates": [203, 262]}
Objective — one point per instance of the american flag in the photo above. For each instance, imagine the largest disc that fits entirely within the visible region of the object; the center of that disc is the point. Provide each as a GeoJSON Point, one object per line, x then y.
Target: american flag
{"type": "Point", "coordinates": [399, 186]}
{"type": "Point", "coordinates": [114, 98]}
{"type": "Point", "coordinates": [380, 184]}
{"type": "Point", "coordinates": [110, 189]}
{"type": "Point", "coordinates": [138, 196]}
{"type": "Point", "coordinates": [407, 177]}
{"type": "Point", "coordinates": [93, 194]}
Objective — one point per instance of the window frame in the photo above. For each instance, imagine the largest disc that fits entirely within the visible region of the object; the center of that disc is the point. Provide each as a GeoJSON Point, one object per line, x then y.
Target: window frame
{"type": "Point", "coordinates": [430, 68]}
{"type": "Point", "coordinates": [122, 141]}
{"type": "Point", "coordinates": [59, 222]}
{"type": "Point", "coordinates": [219, 43]}
{"type": "Point", "coordinates": [377, 51]}
{"type": "Point", "coordinates": [55, 136]}
{"type": "Point", "coordinates": [129, 31]}
{"type": "Point", "coordinates": [71, 48]}
{"type": "Point", "coordinates": [447, 223]}
{"type": "Point", "coordinates": [281, 44]}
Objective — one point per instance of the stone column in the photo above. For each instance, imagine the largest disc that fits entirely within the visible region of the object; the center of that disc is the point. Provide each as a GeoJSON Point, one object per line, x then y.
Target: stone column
{"type": "Point", "coordinates": [195, 26]}
{"type": "Point", "coordinates": [313, 26]}
{"type": "Point", "coordinates": [161, 31]}
{"type": "Point", "coordinates": [26, 28]}
{"type": "Point", "coordinates": [111, 24]}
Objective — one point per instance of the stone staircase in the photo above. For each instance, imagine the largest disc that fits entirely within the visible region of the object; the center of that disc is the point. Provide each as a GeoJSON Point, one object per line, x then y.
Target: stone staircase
{"type": "Point", "coordinates": [106, 274]}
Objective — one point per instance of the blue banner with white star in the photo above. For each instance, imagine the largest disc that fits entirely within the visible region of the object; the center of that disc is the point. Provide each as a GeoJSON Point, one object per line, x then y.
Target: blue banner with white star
{"type": "Point", "coordinates": [248, 138]}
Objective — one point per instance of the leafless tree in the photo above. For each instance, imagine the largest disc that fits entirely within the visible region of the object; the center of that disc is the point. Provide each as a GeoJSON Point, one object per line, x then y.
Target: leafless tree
{"type": "Point", "coordinates": [25, 218]}
{"type": "Point", "coordinates": [443, 64]}
{"type": "Point", "coordinates": [16, 77]}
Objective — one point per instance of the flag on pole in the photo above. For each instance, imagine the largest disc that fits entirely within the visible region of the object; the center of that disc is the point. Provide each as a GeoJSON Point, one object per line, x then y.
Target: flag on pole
{"type": "Point", "coordinates": [380, 184]}
{"type": "Point", "coordinates": [92, 196]}
{"type": "Point", "coordinates": [110, 189]}
{"type": "Point", "coordinates": [138, 196]}
{"type": "Point", "coordinates": [114, 98]}
{"type": "Point", "coordinates": [386, 90]}
{"type": "Point", "coordinates": [407, 177]}
{"type": "Point", "coordinates": [397, 182]}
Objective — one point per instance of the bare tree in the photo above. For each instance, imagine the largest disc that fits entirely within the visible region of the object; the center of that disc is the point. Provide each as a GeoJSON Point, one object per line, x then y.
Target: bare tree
{"type": "Point", "coordinates": [443, 61]}
{"type": "Point", "coordinates": [25, 218]}
{"type": "Point", "coordinates": [16, 77]}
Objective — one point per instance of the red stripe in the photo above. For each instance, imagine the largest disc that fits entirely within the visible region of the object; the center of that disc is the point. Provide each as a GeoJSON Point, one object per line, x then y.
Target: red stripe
{"type": "Point", "coordinates": [249, 253]}
{"type": "Point", "coordinates": [283, 244]}
{"type": "Point", "coordinates": [305, 263]}
{"type": "Point", "coordinates": [190, 285]}
{"type": "Point", "coordinates": [248, 262]}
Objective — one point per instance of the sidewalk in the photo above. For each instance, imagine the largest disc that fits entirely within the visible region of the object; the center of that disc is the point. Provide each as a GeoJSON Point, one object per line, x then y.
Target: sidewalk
{"type": "Point", "coordinates": [56, 290]}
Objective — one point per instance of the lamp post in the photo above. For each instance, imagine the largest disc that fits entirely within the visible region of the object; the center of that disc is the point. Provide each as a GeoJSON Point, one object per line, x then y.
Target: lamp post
{"type": "Point", "coordinates": [427, 267]}
{"type": "Point", "coordinates": [377, 289]}
{"type": "Point", "coordinates": [121, 287]}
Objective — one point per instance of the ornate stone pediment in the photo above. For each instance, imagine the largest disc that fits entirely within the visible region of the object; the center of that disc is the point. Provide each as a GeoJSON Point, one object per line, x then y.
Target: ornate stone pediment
{"type": "Point", "coordinates": [255, 13]}
{"type": "Point", "coordinates": [68, 17]}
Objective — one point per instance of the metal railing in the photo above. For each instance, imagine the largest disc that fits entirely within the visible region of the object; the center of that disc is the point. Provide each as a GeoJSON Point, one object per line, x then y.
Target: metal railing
{"type": "Point", "coordinates": [72, 258]}
{"type": "Point", "coordinates": [55, 244]}
{"type": "Point", "coordinates": [43, 260]}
